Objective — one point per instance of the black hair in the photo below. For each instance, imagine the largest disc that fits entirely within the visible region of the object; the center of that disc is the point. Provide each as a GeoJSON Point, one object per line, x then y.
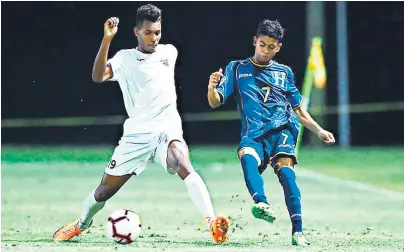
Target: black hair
{"type": "Point", "coordinates": [271, 29]}
{"type": "Point", "coordinates": [147, 12]}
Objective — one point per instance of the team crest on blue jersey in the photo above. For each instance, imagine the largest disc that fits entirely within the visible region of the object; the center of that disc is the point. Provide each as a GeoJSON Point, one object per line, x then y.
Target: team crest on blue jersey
{"type": "Point", "coordinates": [280, 78]}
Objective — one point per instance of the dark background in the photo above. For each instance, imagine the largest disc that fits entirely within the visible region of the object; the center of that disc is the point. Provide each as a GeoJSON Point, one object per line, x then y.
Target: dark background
{"type": "Point", "coordinates": [48, 49]}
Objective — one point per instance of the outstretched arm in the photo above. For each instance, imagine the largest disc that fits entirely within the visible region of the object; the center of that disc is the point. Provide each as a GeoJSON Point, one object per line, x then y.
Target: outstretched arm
{"type": "Point", "coordinates": [102, 71]}
{"type": "Point", "coordinates": [313, 126]}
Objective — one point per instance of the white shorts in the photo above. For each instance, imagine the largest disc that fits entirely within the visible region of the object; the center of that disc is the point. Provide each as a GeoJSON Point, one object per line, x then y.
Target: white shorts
{"type": "Point", "coordinates": [137, 149]}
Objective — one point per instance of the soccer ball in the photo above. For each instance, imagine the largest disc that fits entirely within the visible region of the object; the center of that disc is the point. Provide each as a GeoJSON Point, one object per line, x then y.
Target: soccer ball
{"type": "Point", "coordinates": [124, 226]}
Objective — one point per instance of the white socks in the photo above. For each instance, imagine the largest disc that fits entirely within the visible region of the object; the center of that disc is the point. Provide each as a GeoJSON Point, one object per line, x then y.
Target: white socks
{"type": "Point", "coordinates": [200, 196]}
{"type": "Point", "coordinates": [91, 207]}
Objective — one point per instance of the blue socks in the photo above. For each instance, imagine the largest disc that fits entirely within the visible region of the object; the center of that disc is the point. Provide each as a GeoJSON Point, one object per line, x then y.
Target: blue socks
{"type": "Point", "coordinates": [287, 179]}
{"type": "Point", "coordinates": [253, 179]}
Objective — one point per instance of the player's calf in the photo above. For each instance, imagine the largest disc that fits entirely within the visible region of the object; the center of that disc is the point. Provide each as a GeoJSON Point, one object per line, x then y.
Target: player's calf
{"type": "Point", "coordinates": [249, 162]}
{"type": "Point", "coordinates": [287, 178]}
{"type": "Point", "coordinates": [178, 158]}
{"type": "Point", "coordinates": [90, 208]}
{"type": "Point", "coordinates": [94, 202]}
{"type": "Point", "coordinates": [108, 187]}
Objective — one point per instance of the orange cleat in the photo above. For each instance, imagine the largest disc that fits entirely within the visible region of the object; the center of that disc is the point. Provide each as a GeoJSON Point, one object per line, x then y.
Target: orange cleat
{"type": "Point", "coordinates": [219, 228]}
{"type": "Point", "coordinates": [68, 231]}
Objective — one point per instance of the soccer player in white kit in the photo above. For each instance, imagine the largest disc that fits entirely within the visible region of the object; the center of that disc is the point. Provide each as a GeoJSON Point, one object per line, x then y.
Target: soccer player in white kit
{"type": "Point", "coordinates": [153, 131]}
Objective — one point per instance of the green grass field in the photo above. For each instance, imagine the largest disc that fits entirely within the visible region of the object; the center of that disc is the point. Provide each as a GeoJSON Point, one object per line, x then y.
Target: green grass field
{"type": "Point", "coordinates": [44, 188]}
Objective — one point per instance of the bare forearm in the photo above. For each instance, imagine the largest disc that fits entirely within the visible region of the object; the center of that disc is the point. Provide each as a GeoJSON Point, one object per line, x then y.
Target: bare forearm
{"type": "Point", "coordinates": [308, 121]}
{"type": "Point", "coordinates": [213, 97]}
{"type": "Point", "coordinates": [311, 125]}
{"type": "Point", "coordinates": [101, 60]}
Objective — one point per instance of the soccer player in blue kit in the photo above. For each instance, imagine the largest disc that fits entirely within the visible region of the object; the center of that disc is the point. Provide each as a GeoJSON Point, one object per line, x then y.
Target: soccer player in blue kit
{"type": "Point", "coordinates": [270, 109]}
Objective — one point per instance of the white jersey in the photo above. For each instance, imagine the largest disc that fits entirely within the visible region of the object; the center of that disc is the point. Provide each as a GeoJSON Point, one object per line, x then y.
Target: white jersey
{"type": "Point", "coordinates": [148, 87]}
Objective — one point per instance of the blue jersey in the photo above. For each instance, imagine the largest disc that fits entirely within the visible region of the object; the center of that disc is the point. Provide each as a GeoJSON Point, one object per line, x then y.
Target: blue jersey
{"type": "Point", "coordinates": [265, 95]}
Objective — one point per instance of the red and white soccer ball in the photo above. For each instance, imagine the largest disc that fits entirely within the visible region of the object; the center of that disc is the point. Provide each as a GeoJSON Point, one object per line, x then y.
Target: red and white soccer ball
{"type": "Point", "coordinates": [124, 226]}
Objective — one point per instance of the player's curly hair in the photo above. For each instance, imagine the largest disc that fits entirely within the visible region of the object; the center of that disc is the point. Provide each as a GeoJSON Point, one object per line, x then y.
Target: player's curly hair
{"type": "Point", "coordinates": [271, 29]}
{"type": "Point", "coordinates": [148, 12]}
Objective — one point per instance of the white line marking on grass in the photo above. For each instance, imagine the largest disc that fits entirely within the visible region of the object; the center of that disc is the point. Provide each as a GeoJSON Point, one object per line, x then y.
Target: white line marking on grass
{"type": "Point", "coordinates": [348, 183]}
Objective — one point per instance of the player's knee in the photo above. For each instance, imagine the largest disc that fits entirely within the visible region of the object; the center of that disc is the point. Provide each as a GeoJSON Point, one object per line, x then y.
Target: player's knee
{"type": "Point", "coordinates": [178, 154]}
{"type": "Point", "coordinates": [177, 145]}
{"type": "Point", "coordinates": [179, 159]}
{"type": "Point", "coordinates": [282, 162]}
{"type": "Point", "coordinates": [249, 151]}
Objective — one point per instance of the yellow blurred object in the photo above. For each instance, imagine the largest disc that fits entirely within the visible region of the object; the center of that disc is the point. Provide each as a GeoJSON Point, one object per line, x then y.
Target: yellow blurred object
{"type": "Point", "coordinates": [316, 63]}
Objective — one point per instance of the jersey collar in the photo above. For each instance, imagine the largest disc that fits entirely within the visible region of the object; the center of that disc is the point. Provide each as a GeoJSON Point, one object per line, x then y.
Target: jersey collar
{"type": "Point", "coordinates": [269, 64]}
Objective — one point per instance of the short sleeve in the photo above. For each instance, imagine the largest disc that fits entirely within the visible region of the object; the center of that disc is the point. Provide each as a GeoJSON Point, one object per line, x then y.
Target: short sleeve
{"type": "Point", "coordinates": [172, 53]}
{"type": "Point", "coordinates": [227, 82]}
{"type": "Point", "coordinates": [293, 94]}
{"type": "Point", "coordinates": [116, 64]}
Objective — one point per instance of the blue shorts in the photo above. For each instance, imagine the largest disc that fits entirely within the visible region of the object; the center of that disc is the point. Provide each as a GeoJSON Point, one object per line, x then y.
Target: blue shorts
{"type": "Point", "coordinates": [274, 143]}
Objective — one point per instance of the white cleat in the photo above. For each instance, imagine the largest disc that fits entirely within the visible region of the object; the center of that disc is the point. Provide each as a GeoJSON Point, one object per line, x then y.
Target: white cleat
{"type": "Point", "coordinates": [298, 239]}
{"type": "Point", "coordinates": [263, 211]}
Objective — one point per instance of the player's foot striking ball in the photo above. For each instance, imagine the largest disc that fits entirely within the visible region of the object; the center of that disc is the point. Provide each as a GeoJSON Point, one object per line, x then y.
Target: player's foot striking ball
{"type": "Point", "coordinates": [69, 231]}
{"type": "Point", "coordinates": [271, 113]}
